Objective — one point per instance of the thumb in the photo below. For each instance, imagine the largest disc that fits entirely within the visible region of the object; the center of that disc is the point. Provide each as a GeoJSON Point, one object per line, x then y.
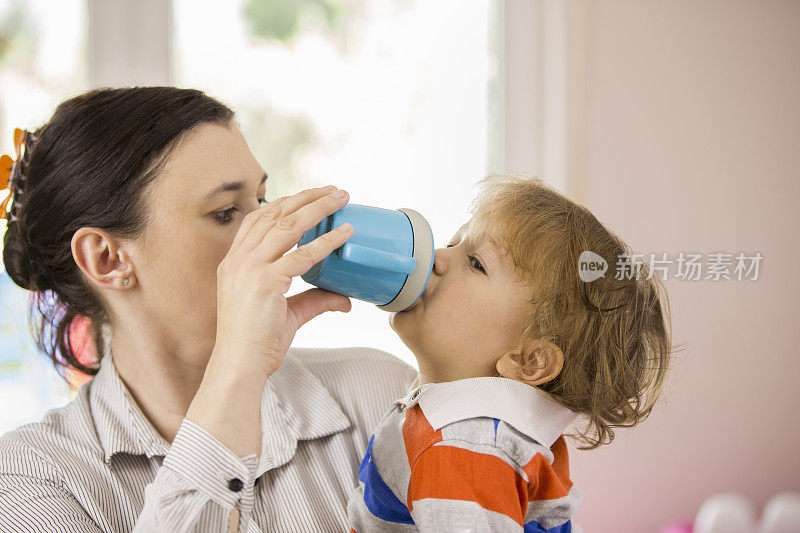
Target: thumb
{"type": "Point", "coordinates": [308, 304]}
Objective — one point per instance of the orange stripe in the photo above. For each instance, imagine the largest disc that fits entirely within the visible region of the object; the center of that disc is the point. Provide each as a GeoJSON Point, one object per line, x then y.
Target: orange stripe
{"type": "Point", "coordinates": [561, 461]}
{"type": "Point", "coordinates": [418, 433]}
{"type": "Point", "coordinates": [548, 482]}
{"type": "Point", "coordinates": [452, 473]}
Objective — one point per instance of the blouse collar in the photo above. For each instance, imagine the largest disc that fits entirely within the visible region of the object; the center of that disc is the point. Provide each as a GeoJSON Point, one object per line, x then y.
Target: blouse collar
{"type": "Point", "coordinates": [295, 405]}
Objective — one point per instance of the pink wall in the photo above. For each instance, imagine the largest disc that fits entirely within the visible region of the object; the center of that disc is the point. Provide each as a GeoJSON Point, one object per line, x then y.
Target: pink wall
{"type": "Point", "coordinates": [694, 145]}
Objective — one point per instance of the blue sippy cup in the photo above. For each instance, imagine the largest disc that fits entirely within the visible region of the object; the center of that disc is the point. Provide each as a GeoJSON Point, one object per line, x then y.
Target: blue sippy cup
{"type": "Point", "coordinates": [387, 261]}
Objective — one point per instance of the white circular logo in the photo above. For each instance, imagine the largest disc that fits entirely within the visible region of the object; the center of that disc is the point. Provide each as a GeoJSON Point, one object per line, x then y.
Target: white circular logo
{"type": "Point", "coordinates": [591, 266]}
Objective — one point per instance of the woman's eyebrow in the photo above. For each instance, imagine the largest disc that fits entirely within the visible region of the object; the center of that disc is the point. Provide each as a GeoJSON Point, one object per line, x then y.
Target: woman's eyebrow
{"type": "Point", "coordinates": [230, 186]}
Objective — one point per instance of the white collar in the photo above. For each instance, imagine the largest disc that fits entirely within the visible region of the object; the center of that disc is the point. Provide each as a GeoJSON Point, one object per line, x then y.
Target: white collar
{"type": "Point", "coordinates": [527, 408]}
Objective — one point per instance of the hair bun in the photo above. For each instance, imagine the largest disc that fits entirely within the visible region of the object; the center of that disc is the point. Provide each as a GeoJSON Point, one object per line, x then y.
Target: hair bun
{"type": "Point", "coordinates": [15, 257]}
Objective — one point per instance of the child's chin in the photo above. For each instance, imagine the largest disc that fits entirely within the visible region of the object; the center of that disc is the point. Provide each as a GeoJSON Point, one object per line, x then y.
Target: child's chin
{"type": "Point", "coordinates": [397, 318]}
{"type": "Point", "coordinates": [401, 327]}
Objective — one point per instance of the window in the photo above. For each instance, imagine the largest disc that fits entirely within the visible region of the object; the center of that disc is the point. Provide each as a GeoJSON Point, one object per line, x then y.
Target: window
{"type": "Point", "coordinates": [388, 99]}
{"type": "Point", "coordinates": [43, 58]}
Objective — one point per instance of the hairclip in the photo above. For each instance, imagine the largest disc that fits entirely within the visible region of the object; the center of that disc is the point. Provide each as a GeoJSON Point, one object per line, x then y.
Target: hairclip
{"type": "Point", "coordinates": [7, 170]}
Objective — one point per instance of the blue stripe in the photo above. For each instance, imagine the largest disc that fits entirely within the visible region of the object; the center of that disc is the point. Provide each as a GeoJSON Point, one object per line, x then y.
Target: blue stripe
{"type": "Point", "coordinates": [534, 527]}
{"type": "Point", "coordinates": [496, 421]}
{"type": "Point", "coordinates": [379, 498]}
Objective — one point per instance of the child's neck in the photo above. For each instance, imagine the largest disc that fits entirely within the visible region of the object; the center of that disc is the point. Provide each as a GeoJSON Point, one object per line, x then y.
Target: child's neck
{"type": "Point", "coordinates": [426, 375]}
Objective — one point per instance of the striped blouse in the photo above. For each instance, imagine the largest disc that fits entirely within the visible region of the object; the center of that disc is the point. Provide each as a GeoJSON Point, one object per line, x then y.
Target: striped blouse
{"type": "Point", "coordinates": [98, 464]}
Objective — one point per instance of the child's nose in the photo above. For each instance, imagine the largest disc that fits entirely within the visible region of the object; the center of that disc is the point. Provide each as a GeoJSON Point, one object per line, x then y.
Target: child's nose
{"type": "Point", "coordinates": [440, 261]}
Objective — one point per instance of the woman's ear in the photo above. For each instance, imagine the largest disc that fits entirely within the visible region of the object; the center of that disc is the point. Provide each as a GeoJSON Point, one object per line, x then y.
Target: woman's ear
{"type": "Point", "coordinates": [101, 258]}
{"type": "Point", "coordinates": [536, 362]}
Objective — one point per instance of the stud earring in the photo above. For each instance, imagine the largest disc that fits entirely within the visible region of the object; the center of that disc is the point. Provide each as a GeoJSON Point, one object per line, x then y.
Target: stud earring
{"type": "Point", "coordinates": [125, 281]}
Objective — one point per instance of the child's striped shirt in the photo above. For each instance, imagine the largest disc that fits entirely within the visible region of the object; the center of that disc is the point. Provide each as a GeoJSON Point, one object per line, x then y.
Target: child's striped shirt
{"type": "Point", "coordinates": [476, 454]}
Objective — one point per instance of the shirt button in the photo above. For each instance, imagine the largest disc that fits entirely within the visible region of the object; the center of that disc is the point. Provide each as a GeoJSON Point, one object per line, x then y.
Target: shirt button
{"type": "Point", "coordinates": [235, 484]}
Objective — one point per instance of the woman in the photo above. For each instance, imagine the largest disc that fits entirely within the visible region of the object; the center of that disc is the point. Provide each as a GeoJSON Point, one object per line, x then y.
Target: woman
{"type": "Point", "coordinates": [139, 209]}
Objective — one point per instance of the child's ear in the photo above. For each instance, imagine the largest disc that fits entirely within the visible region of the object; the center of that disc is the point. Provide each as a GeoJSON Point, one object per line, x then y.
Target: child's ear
{"type": "Point", "coordinates": [536, 362]}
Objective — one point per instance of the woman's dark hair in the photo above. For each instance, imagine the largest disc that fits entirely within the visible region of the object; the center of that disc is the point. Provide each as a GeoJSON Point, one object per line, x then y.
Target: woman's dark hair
{"type": "Point", "coordinates": [89, 166]}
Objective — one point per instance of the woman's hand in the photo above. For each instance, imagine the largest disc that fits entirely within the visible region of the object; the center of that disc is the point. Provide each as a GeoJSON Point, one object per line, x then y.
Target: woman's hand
{"type": "Point", "coordinates": [255, 322]}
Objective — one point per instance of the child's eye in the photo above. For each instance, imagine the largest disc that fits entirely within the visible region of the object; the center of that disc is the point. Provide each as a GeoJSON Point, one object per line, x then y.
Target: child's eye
{"type": "Point", "coordinates": [474, 260]}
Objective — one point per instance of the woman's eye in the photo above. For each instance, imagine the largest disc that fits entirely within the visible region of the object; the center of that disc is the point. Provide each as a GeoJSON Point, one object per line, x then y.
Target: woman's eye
{"type": "Point", "coordinates": [224, 217]}
{"type": "Point", "coordinates": [474, 260]}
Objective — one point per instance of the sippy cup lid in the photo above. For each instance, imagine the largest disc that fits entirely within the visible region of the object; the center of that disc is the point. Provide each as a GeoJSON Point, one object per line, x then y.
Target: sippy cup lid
{"type": "Point", "coordinates": [423, 254]}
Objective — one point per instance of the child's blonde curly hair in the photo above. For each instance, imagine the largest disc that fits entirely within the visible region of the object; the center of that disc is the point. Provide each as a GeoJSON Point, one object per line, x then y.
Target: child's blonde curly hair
{"type": "Point", "coordinates": [614, 333]}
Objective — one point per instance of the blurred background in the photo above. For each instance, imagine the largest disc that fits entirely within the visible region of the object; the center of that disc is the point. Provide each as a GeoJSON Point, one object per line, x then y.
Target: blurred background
{"type": "Point", "coordinates": [677, 123]}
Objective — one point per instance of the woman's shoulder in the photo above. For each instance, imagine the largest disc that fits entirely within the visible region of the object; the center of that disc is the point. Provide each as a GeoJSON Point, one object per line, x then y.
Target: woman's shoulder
{"type": "Point", "coordinates": [355, 361]}
{"type": "Point", "coordinates": [364, 381]}
{"type": "Point", "coordinates": [34, 448]}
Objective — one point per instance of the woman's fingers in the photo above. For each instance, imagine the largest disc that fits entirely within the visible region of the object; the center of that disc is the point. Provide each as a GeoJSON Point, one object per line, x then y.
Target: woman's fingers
{"type": "Point", "coordinates": [252, 218]}
{"type": "Point", "coordinates": [304, 257]}
{"type": "Point", "coordinates": [254, 324]}
{"type": "Point", "coordinates": [288, 229]}
{"type": "Point", "coordinates": [308, 304]}
{"type": "Point", "coordinates": [259, 222]}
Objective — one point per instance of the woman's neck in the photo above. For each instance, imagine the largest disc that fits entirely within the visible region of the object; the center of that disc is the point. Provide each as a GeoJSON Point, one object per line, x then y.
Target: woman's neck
{"type": "Point", "coordinates": [161, 376]}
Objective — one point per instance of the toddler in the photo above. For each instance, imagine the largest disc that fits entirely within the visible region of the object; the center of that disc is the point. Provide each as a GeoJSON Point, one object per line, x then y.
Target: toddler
{"type": "Point", "coordinates": [513, 346]}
